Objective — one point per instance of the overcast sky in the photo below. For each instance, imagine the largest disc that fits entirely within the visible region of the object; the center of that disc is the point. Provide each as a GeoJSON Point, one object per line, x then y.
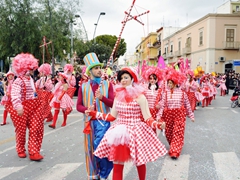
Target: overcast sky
{"type": "Point", "coordinates": [171, 13]}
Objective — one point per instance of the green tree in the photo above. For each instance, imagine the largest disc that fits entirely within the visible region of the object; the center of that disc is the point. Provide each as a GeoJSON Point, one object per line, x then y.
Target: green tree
{"type": "Point", "coordinates": [19, 28]}
{"type": "Point", "coordinates": [24, 23]}
{"type": "Point", "coordinates": [103, 48]}
{"type": "Point", "coordinates": [110, 40]}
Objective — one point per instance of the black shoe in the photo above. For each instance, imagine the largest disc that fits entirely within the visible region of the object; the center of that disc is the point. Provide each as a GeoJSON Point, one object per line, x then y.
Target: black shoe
{"type": "Point", "coordinates": [174, 157]}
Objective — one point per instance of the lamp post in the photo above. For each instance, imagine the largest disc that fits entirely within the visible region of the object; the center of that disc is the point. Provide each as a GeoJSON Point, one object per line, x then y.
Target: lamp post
{"type": "Point", "coordinates": [78, 16]}
{"type": "Point", "coordinates": [71, 48]}
{"type": "Point", "coordinates": [101, 13]}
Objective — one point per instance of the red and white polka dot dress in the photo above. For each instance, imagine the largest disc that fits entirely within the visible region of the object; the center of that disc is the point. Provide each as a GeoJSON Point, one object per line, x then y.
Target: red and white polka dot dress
{"type": "Point", "coordinates": [32, 119]}
{"type": "Point", "coordinates": [176, 107]}
{"type": "Point", "coordinates": [143, 142]}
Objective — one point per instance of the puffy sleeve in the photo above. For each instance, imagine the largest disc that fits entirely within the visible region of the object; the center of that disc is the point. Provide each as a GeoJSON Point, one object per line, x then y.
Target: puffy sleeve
{"type": "Point", "coordinates": [142, 101]}
{"type": "Point", "coordinates": [162, 104]}
{"type": "Point", "coordinates": [189, 112]}
{"type": "Point", "coordinates": [72, 81]}
{"type": "Point", "coordinates": [48, 85]}
{"type": "Point", "coordinates": [16, 94]}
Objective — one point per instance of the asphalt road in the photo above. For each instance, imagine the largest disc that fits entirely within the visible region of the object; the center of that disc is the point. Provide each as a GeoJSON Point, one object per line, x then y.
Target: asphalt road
{"type": "Point", "coordinates": [211, 150]}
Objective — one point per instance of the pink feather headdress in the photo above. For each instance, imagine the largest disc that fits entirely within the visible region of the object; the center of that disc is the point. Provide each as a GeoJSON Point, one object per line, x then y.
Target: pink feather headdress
{"type": "Point", "coordinates": [46, 69]}
{"type": "Point", "coordinates": [152, 70]}
{"type": "Point", "coordinates": [24, 62]}
{"type": "Point", "coordinates": [190, 72]}
{"type": "Point", "coordinates": [176, 76]}
{"type": "Point", "coordinates": [63, 75]}
{"type": "Point", "coordinates": [10, 73]}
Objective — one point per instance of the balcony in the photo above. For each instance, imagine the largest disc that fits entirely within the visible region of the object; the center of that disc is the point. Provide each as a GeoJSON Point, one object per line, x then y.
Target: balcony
{"type": "Point", "coordinates": [177, 53]}
{"type": "Point", "coordinates": [170, 55]}
{"type": "Point", "coordinates": [187, 50]}
{"type": "Point", "coordinates": [157, 44]}
{"type": "Point", "coordinates": [235, 45]}
{"type": "Point", "coordinates": [151, 57]}
{"type": "Point", "coordinates": [164, 56]}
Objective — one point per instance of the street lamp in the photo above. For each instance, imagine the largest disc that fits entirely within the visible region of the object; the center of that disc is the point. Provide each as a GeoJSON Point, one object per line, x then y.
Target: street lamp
{"type": "Point", "coordinates": [71, 48]}
{"type": "Point", "coordinates": [78, 16]}
{"type": "Point", "coordinates": [101, 13]}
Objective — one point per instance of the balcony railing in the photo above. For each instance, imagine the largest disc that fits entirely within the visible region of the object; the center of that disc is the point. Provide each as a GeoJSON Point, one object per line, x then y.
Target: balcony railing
{"type": "Point", "coordinates": [164, 56]}
{"type": "Point", "coordinates": [151, 57]}
{"type": "Point", "coordinates": [187, 50]}
{"type": "Point", "coordinates": [157, 44]}
{"type": "Point", "coordinates": [170, 54]}
{"type": "Point", "coordinates": [231, 45]}
{"type": "Point", "coordinates": [177, 53]}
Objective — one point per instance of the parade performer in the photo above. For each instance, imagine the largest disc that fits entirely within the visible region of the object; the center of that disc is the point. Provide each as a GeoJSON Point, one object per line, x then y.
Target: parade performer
{"type": "Point", "coordinates": [153, 92]}
{"type": "Point", "coordinates": [199, 95]}
{"type": "Point", "coordinates": [44, 87]}
{"type": "Point", "coordinates": [175, 108]}
{"type": "Point", "coordinates": [222, 86]}
{"type": "Point", "coordinates": [7, 95]}
{"type": "Point", "coordinates": [205, 90]}
{"type": "Point", "coordinates": [129, 138]}
{"type": "Point", "coordinates": [25, 109]}
{"type": "Point", "coordinates": [71, 80]}
{"type": "Point", "coordinates": [190, 87]}
{"type": "Point", "coordinates": [84, 77]}
{"type": "Point", "coordinates": [96, 167]}
{"type": "Point", "coordinates": [61, 100]}
{"type": "Point", "coordinates": [214, 84]}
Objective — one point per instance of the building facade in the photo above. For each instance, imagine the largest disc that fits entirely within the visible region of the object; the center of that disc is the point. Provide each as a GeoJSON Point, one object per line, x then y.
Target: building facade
{"type": "Point", "coordinates": [212, 42]}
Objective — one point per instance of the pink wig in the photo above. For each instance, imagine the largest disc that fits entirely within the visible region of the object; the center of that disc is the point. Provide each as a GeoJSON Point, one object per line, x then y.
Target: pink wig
{"type": "Point", "coordinates": [68, 67]}
{"type": "Point", "coordinates": [175, 76]}
{"type": "Point", "coordinates": [152, 70]}
{"type": "Point", "coordinates": [24, 62]}
{"type": "Point", "coordinates": [46, 69]}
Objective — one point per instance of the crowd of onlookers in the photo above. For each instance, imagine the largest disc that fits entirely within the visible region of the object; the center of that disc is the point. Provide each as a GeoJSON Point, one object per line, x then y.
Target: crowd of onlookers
{"type": "Point", "coordinates": [232, 80]}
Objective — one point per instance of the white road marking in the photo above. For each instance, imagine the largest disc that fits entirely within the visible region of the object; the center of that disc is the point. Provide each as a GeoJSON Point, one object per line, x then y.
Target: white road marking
{"type": "Point", "coordinates": [234, 111]}
{"type": "Point", "coordinates": [227, 165]}
{"type": "Point", "coordinates": [45, 134]}
{"type": "Point", "coordinates": [4, 172]}
{"type": "Point", "coordinates": [59, 171]}
{"type": "Point", "coordinates": [175, 169]}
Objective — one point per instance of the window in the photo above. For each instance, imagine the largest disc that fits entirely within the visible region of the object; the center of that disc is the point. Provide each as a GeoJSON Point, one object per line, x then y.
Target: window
{"type": "Point", "coordinates": [237, 8]}
{"type": "Point", "coordinates": [201, 38]}
{"type": "Point", "coordinates": [188, 42]}
{"type": "Point", "coordinates": [171, 48]}
{"type": "Point", "coordinates": [179, 45]}
{"type": "Point", "coordinates": [230, 38]}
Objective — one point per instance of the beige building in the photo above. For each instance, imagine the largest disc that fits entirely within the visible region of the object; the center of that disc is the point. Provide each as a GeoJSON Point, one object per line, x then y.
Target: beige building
{"type": "Point", "coordinates": [212, 42]}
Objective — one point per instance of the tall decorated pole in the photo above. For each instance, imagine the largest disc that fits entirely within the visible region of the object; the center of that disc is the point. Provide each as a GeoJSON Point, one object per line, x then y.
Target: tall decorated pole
{"type": "Point", "coordinates": [44, 46]}
{"type": "Point", "coordinates": [128, 17]}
